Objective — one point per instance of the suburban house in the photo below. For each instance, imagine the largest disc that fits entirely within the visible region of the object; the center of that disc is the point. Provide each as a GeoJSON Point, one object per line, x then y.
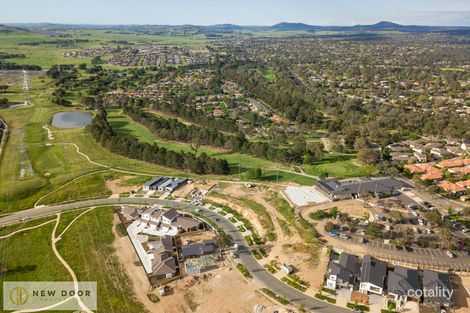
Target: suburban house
{"type": "Point", "coordinates": [354, 188]}
{"type": "Point", "coordinates": [197, 249]}
{"type": "Point", "coordinates": [437, 288]}
{"type": "Point", "coordinates": [161, 255]}
{"type": "Point", "coordinates": [373, 275]}
{"type": "Point", "coordinates": [401, 283]}
{"type": "Point", "coordinates": [169, 220]}
{"type": "Point", "coordinates": [342, 273]}
{"type": "Point", "coordinates": [164, 184]}
{"type": "Point", "coordinates": [451, 187]}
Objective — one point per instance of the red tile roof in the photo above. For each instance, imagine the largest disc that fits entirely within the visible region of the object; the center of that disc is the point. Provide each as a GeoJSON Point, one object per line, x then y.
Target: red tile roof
{"type": "Point", "coordinates": [464, 183]}
{"type": "Point", "coordinates": [448, 186]}
{"type": "Point", "coordinates": [454, 163]}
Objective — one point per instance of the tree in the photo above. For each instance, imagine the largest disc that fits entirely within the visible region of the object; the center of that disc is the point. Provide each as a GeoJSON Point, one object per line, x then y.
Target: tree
{"type": "Point", "coordinates": [329, 226]}
{"type": "Point", "coordinates": [254, 173]}
{"type": "Point", "coordinates": [408, 237]}
{"type": "Point", "coordinates": [373, 230]}
{"type": "Point", "coordinates": [368, 156]}
{"type": "Point", "coordinates": [222, 239]}
{"type": "Point", "coordinates": [4, 88]}
{"type": "Point", "coordinates": [434, 217]}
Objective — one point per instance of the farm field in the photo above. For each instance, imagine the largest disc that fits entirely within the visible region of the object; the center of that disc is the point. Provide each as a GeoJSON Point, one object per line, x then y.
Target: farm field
{"type": "Point", "coordinates": [46, 55]}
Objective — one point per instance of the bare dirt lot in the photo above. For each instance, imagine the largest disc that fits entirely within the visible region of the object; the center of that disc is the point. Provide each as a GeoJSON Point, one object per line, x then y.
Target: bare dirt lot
{"type": "Point", "coordinates": [116, 186]}
{"type": "Point", "coordinates": [354, 208]}
{"type": "Point", "coordinates": [223, 288]}
{"type": "Point", "coordinates": [193, 294]}
{"type": "Point", "coordinates": [288, 247]}
{"type": "Point", "coordinates": [462, 293]}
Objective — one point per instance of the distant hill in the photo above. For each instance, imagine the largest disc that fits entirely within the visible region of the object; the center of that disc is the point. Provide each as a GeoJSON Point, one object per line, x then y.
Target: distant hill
{"type": "Point", "coordinates": [284, 26]}
{"type": "Point", "coordinates": [12, 29]}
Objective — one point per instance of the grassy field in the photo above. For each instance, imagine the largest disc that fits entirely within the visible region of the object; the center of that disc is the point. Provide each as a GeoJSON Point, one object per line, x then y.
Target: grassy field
{"type": "Point", "coordinates": [339, 165]}
{"type": "Point", "coordinates": [127, 126]}
{"type": "Point", "coordinates": [47, 55]}
{"type": "Point", "coordinates": [28, 256]}
{"type": "Point", "coordinates": [83, 188]}
{"type": "Point", "coordinates": [86, 247]}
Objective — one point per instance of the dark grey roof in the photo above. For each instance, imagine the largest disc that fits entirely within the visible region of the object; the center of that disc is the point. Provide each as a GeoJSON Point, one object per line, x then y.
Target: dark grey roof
{"type": "Point", "coordinates": [346, 269]}
{"type": "Point", "coordinates": [401, 280]}
{"type": "Point", "coordinates": [155, 181]}
{"type": "Point", "coordinates": [373, 271]}
{"type": "Point", "coordinates": [437, 281]}
{"type": "Point", "coordinates": [171, 214]}
{"type": "Point", "coordinates": [197, 249]}
{"type": "Point", "coordinates": [376, 185]}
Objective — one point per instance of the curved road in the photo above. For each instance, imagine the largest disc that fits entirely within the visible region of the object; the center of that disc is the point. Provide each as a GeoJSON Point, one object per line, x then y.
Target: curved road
{"type": "Point", "coordinates": [258, 272]}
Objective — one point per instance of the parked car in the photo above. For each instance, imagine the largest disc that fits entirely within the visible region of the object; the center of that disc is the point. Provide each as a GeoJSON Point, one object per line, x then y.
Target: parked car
{"type": "Point", "coordinates": [343, 236]}
{"type": "Point", "coordinates": [413, 206]}
{"type": "Point", "coordinates": [450, 254]}
{"type": "Point", "coordinates": [333, 234]}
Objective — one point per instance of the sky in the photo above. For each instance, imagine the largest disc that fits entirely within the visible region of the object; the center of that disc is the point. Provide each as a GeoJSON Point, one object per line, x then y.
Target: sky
{"type": "Point", "coordinates": [242, 12]}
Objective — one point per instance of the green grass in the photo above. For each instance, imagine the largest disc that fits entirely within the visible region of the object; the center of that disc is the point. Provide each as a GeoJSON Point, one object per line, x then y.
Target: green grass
{"type": "Point", "coordinates": [238, 162]}
{"type": "Point", "coordinates": [275, 296]}
{"type": "Point", "coordinates": [270, 75]}
{"type": "Point", "coordinates": [28, 257]}
{"type": "Point", "coordinates": [84, 188]}
{"type": "Point", "coordinates": [339, 165]}
{"type": "Point", "coordinates": [352, 305]}
{"type": "Point", "coordinates": [48, 55]}
{"type": "Point", "coordinates": [87, 247]}
{"type": "Point", "coordinates": [242, 268]}
{"type": "Point", "coordinates": [325, 298]}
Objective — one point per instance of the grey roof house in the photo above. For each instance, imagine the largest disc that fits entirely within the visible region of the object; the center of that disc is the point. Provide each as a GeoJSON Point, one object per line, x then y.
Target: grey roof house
{"type": "Point", "coordinates": [402, 283]}
{"type": "Point", "coordinates": [346, 189]}
{"type": "Point", "coordinates": [197, 249]}
{"type": "Point", "coordinates": [437, 288]}
{"type": "Point", "coordinates": [373, 275]}
{"type": "Point", "coordinates": [342, 273]}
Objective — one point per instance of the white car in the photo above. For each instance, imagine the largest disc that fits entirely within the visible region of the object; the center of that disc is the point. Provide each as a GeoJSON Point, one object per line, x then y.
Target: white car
{"type": "Point", "coordinates": [414, 213]}
{"type": "Point", "coordinates": [23, 219]}
{"type": "Point", "coordinates": [450, 254]}
{"type": "Point", "coordinates": [343, 236]}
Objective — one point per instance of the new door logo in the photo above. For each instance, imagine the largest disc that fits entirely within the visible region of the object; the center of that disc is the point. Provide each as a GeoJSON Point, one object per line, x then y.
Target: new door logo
{"type": "Point", "coordinates": [19, 295]}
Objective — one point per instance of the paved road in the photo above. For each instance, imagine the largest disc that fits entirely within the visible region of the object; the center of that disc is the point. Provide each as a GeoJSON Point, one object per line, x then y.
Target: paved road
{"type": "Point", "coordinates": [245, 257]}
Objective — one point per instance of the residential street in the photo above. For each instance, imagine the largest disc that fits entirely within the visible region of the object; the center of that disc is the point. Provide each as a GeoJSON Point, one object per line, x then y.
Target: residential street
{"type": "Point", "coordinates": [258, 272]}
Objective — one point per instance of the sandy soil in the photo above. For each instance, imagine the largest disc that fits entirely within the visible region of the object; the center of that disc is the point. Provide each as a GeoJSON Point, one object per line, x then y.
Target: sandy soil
{"type": "Point", "coordinates": [286, 249]}
{"type": "Point", "coordinates": [354, 208]}
{"type": "Point", "coordinates": [205, 293]}
{"type": "Point", "coordinates": [193, 294]}
{"type": "Point", "coordinates": [184, 191]}
{"type": "Point", "coordinates": [116, 185]}
{"type": "Point", "coordinates": [461, 297]}
{"type": "Point", "coordinates": [136, 273]}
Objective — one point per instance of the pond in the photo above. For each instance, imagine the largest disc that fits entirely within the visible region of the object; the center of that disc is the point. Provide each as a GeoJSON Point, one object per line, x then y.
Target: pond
{"type": "Point", "coordinates": [71, 119]}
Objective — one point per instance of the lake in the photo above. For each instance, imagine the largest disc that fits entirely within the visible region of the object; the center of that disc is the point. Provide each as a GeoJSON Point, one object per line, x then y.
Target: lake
{"type": "Point", "coordinates": [71, 119]}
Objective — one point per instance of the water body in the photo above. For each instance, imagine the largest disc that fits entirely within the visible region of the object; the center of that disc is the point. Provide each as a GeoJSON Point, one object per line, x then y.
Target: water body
{"type": "Point", "coordinates": [71, 119]}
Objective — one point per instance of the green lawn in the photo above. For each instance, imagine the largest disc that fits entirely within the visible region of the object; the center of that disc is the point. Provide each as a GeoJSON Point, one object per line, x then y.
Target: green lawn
{"type": "Point", "coordinates": [339, 165]}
